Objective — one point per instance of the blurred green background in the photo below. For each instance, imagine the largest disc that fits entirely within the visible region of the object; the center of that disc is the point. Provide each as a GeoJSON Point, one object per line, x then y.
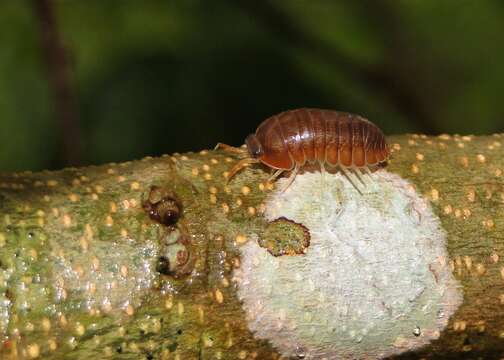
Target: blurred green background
{"type": "Point", "coordinates": [157, 76]}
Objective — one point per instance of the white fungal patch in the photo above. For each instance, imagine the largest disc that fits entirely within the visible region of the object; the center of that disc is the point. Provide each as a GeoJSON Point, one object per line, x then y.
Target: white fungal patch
{"type": "Point", "coordinates": [374, 281]}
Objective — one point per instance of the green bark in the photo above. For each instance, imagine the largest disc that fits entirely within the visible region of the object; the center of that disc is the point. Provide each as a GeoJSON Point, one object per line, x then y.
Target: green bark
{"type": "Point", "coordinates": [96, 263]}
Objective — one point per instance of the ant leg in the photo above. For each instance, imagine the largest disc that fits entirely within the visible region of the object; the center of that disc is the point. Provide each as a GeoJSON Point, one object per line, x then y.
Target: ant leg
{"type": "Point", "coordinates": [291, 178]}
{"type": "Point", "coordinates": [240, 165]}
{"type": "Point", "coordinates": [229, 148]}
{"type": "Point", "coordinates": [350, 178]}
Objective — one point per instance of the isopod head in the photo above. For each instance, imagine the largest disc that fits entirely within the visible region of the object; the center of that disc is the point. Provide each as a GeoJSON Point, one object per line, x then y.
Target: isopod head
{"type": "Point", "coordinates": [254, 147]}
{"type": "Point", "coordinates": [270, 150]}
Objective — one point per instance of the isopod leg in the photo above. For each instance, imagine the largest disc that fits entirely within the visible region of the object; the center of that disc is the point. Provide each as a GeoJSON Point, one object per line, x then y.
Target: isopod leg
{"type": "Point", "coordinates": [322, 170]}
{"type": "Point", "coordinates": [323, 195]}
{"type": "Point", "coordinates": [323, 176]}
{"type": "Point", "coordinates": [275, 175]}
{"type": "Point", "coordinates": [350, 177]}
{"type": "Point", "coordinates": [358, 174]}
{"type": "Point", "coordinates": [240, 165]}
{"type": "Point", "coordinates": [229, 148]}
{"type": "Point", "coordinates": [291, 178]}
{"type": "Point", "coordinates": [369, 174]}
{"type": "Point", "coordinates": [366, 176]}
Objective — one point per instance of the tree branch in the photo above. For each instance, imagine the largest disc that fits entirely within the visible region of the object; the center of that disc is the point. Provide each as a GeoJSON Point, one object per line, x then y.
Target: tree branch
{"type": "Point", "coordinates": [160, 259]}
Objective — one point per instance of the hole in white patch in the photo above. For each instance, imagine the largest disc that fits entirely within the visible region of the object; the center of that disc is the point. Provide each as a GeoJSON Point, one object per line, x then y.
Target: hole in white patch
{"type": "Point", "coordinates": [372, 283]}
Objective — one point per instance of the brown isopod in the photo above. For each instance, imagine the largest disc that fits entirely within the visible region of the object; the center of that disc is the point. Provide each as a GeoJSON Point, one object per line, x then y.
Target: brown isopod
{"type": "Point", "coordinates": [291, 139]}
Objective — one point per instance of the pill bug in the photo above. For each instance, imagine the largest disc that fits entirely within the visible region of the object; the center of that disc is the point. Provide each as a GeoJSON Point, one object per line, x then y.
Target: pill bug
{"type": "Point", "coordinates": [290, 140]}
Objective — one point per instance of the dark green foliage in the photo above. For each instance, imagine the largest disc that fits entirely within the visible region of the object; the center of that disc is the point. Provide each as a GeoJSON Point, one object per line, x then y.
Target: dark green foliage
{"type": "Point", "coordinates": [156, 77]}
